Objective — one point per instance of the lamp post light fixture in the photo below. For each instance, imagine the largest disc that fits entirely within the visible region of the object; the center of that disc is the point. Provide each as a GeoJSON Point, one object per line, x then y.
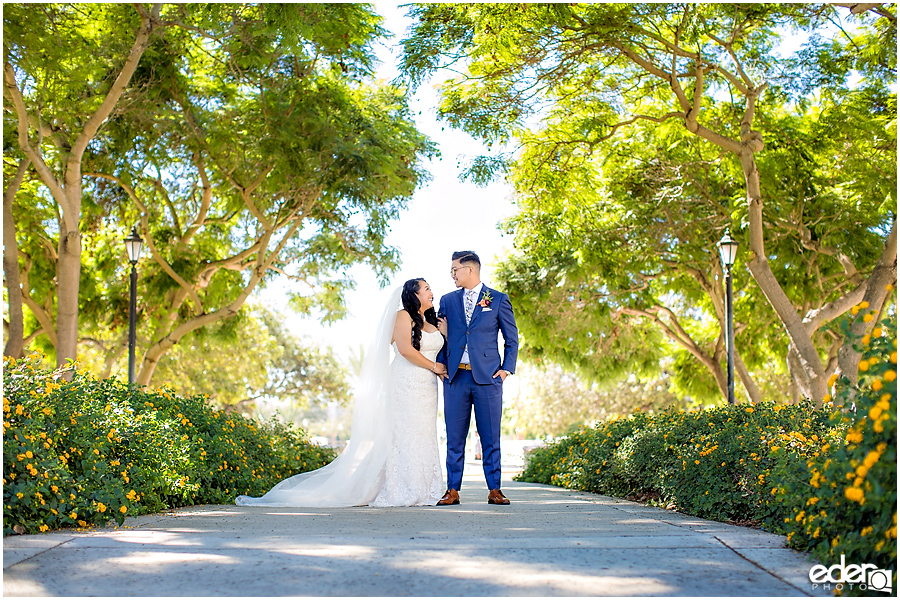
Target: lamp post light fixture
{"type": "Point", "coordinates": [728, 252]}
{"type": "Point", "coordinates": [133, 245]}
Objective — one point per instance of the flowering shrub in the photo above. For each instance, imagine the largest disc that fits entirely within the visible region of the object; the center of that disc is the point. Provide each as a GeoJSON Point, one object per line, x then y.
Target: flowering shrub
{"type": "Point", "coordinates": [844, 500]}
{"type": "Point", "coordinates": [825, 478]}
{"type": "Point", "coordinates": [713, 463]}
{"type": "Point", "coordinates": [84, 451]}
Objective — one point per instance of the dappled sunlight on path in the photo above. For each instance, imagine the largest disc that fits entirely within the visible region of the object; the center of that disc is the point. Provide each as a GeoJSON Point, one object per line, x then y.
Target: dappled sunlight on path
{"type": "Point", "coordinates": [548, 542]}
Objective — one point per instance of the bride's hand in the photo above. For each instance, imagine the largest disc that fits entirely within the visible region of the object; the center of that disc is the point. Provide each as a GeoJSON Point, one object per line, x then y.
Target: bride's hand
{"type": "Point", "coordinates": [442, 325]}
{"type": "Point", "coordinates": [439, 369]}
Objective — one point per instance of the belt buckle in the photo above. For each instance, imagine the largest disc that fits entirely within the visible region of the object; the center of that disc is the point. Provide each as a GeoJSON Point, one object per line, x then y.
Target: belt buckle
{"type": "Point", "coordinates": [465, 367]}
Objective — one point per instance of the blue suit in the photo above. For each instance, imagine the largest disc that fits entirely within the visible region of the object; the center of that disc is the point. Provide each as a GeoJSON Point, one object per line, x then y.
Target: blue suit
{"type": "Point", "coordinates": [464, 389]}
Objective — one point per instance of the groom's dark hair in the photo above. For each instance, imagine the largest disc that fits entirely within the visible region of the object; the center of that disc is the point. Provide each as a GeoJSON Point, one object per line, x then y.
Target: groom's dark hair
{"type": "Point", "coordinates": [466, 257]}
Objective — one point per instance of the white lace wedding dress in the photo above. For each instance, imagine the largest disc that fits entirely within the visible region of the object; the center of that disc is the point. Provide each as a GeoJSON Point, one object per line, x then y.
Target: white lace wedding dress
{"type": "Point", "coordinates": [392, 456]}
{"type": "Point", "coordinates": [412, 474]}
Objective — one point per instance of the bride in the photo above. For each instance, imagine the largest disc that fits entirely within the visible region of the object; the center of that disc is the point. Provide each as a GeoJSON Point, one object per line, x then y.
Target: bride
{"type": "Point", "coordinates": [392, 457]}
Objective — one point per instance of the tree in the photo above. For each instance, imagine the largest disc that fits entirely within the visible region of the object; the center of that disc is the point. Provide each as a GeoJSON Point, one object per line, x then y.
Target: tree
{"type": "Point", "coordinates": [591, 75]}
{"type": "Point", "coordinates": [65, 68]}
{"type": "Point", "coordinates": [250, 145]}
{"type": "Point", "coordinates": [16, 324]}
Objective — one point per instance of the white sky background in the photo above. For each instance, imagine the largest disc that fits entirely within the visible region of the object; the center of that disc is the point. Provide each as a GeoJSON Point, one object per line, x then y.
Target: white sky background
{"type": "Point", "coordinates": [445, 215]}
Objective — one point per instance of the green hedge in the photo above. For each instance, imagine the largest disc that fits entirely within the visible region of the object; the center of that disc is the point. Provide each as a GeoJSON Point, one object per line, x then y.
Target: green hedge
{"type": "Point", "coordinates": [80, 452]}
{"type": "Point", "coordinates": [826, 479]}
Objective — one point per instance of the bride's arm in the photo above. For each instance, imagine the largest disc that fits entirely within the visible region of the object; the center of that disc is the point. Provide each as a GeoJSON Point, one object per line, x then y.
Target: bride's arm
{"type": "Point", "coordinates": [403, 326]}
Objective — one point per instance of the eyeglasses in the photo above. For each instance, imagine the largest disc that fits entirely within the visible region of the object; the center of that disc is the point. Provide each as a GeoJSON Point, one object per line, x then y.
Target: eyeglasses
{"type": "Point", "coordinates": [455, 269]}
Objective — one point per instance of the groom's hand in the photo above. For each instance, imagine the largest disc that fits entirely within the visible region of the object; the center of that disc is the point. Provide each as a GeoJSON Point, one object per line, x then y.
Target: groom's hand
{"type": "Point", "coordinates": [440, 370]}
{"type": "Point", "coordinates": [502, 374]}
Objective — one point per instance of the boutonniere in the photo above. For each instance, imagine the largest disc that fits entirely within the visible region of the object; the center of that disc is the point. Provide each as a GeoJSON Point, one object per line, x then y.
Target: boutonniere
{"type": "Point", "coordinates": [486, 299]}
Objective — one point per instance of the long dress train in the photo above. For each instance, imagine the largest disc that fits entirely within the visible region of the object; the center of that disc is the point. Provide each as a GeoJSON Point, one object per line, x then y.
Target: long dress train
{"type": "Point", "coordinates": [392, 456]}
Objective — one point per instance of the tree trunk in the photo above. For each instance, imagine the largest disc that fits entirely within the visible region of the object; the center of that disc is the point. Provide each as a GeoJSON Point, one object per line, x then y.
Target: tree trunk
{"type": "Point", "coordinates": [808, 374]}
{"type": "Point", "coordinates": [746, 379]}
{"type": "Point", "coordinates": [15, 344]}
{"type": "Point", "coordinates": [68, 276]}
{"type": "Point", "coordinates": [877, 293]}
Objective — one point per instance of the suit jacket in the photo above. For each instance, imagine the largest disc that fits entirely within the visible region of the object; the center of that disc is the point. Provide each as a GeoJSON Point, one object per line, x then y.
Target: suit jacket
{"type": "Point", "coordinates": [480, 335]}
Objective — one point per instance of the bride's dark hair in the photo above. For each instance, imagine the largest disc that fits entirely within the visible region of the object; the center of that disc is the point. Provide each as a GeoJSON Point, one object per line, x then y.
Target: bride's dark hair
{"type": "Point", "coordinates": [412, 305]}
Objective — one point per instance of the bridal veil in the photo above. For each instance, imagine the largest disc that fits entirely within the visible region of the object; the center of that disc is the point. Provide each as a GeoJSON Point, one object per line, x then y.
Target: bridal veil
{"type": "Point", "coordinates": [355, 477]}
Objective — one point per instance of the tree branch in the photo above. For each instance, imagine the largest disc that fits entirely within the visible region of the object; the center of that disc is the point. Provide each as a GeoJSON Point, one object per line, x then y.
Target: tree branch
{"type": "Point", "coordinates": [145, 229]}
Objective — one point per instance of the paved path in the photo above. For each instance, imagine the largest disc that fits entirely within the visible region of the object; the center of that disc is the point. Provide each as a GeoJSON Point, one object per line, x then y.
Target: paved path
{"type": "Point", "coordinates": [548, 542]}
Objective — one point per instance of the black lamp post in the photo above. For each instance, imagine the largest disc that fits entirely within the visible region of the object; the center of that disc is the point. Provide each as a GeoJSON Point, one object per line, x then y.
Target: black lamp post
{"type": "Point", "coordinates": [728, 251]}
{"type": "Point", "coordinates": [133, 245]}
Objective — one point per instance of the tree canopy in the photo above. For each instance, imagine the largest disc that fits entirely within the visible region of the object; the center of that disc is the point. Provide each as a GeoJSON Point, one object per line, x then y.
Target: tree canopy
{"type": "Point", "coordinates": [640, 133]}
{"type": "Point", "coordinates": [250, 142]}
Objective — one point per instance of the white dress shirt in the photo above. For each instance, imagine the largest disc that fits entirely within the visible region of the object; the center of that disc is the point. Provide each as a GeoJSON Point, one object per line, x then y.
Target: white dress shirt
{"type": "Point", "coordinates": [477, 289]}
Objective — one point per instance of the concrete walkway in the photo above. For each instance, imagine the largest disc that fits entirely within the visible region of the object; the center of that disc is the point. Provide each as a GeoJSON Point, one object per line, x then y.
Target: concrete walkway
{"type": "Point", "coordinates": [548, 542]}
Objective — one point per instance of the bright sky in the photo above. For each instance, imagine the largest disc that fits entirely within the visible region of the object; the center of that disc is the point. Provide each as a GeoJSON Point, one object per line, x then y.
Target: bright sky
{"type": "Point", "coordinates": [445, 215]}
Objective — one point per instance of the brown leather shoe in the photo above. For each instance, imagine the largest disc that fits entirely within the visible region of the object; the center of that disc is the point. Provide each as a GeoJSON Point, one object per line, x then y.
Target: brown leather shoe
{"type": "Point", "coordinates": [497, 497]}
{"type": "Point", "coordinates": [451, 497]}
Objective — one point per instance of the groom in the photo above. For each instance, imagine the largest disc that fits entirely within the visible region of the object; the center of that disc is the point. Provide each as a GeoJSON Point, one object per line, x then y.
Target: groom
{"type": "Point", "coordinates": [475, 373]}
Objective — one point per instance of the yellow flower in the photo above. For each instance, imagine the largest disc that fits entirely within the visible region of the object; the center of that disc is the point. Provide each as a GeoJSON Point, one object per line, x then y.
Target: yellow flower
{"type": "Point", "coordinates": [876, 385]}
{"type": "Point", "coordinates": [864, 304]}
{"type": "Point", "coordinates": [871, 459]}
{"type": "Point", "coordinates": [866, 338]}
{"type": "Point", "coordinates": [20, 495]}
{"type": "Point", "coordinates": [96, 451]}
{"type": "Point", "coordinates": [855, 494]}
{"type": "Point", "coordinates": [875, 412]}
{"type": "Point", "coordinates": [123, 510]}
{"type": "Point", "coordinates": [868, 317]}
{"type": "Point", "coordinates": [826, 398]}
{"type": "Point", "coordinates": [894, 357]}
{"type": "Point", "coordinates": [101, 507]}
{"type": "Point", "coordinates": [29, 454]}
{"type": "Point", "coordinates": [832, 380]}
{"type": "Point", "coordinates": [863, 365]}
{"type": "Point", "coordinates": [43, 528]}
{"type": "Point", "coordinates": [19, 409]}
{"type": "Point", "coordinates": [866, 531]}
{"type": "Point", "coordinates": [811, 501]}
{"type": "Point", "coordinates": [73, 515]}
{"type": "Point", "coordinates": [890, 374]}
{"type": "Point", "coordinates": [749, 410]}
{"type": "Point", "coordinates": [696, 462]}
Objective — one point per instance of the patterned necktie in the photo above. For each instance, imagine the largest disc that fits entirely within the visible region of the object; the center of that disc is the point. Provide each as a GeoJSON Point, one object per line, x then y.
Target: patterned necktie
{"type": "Point", "coordinates": [470, 305]}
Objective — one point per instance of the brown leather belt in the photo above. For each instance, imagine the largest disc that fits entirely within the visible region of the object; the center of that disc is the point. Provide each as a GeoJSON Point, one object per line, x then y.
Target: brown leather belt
{"type": "Point", "coordinates": [465, 367]}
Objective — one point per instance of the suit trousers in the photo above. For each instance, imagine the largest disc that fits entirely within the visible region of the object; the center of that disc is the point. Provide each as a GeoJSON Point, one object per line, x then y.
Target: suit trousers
{"type": "Point", "coordinates": [460, 395]}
